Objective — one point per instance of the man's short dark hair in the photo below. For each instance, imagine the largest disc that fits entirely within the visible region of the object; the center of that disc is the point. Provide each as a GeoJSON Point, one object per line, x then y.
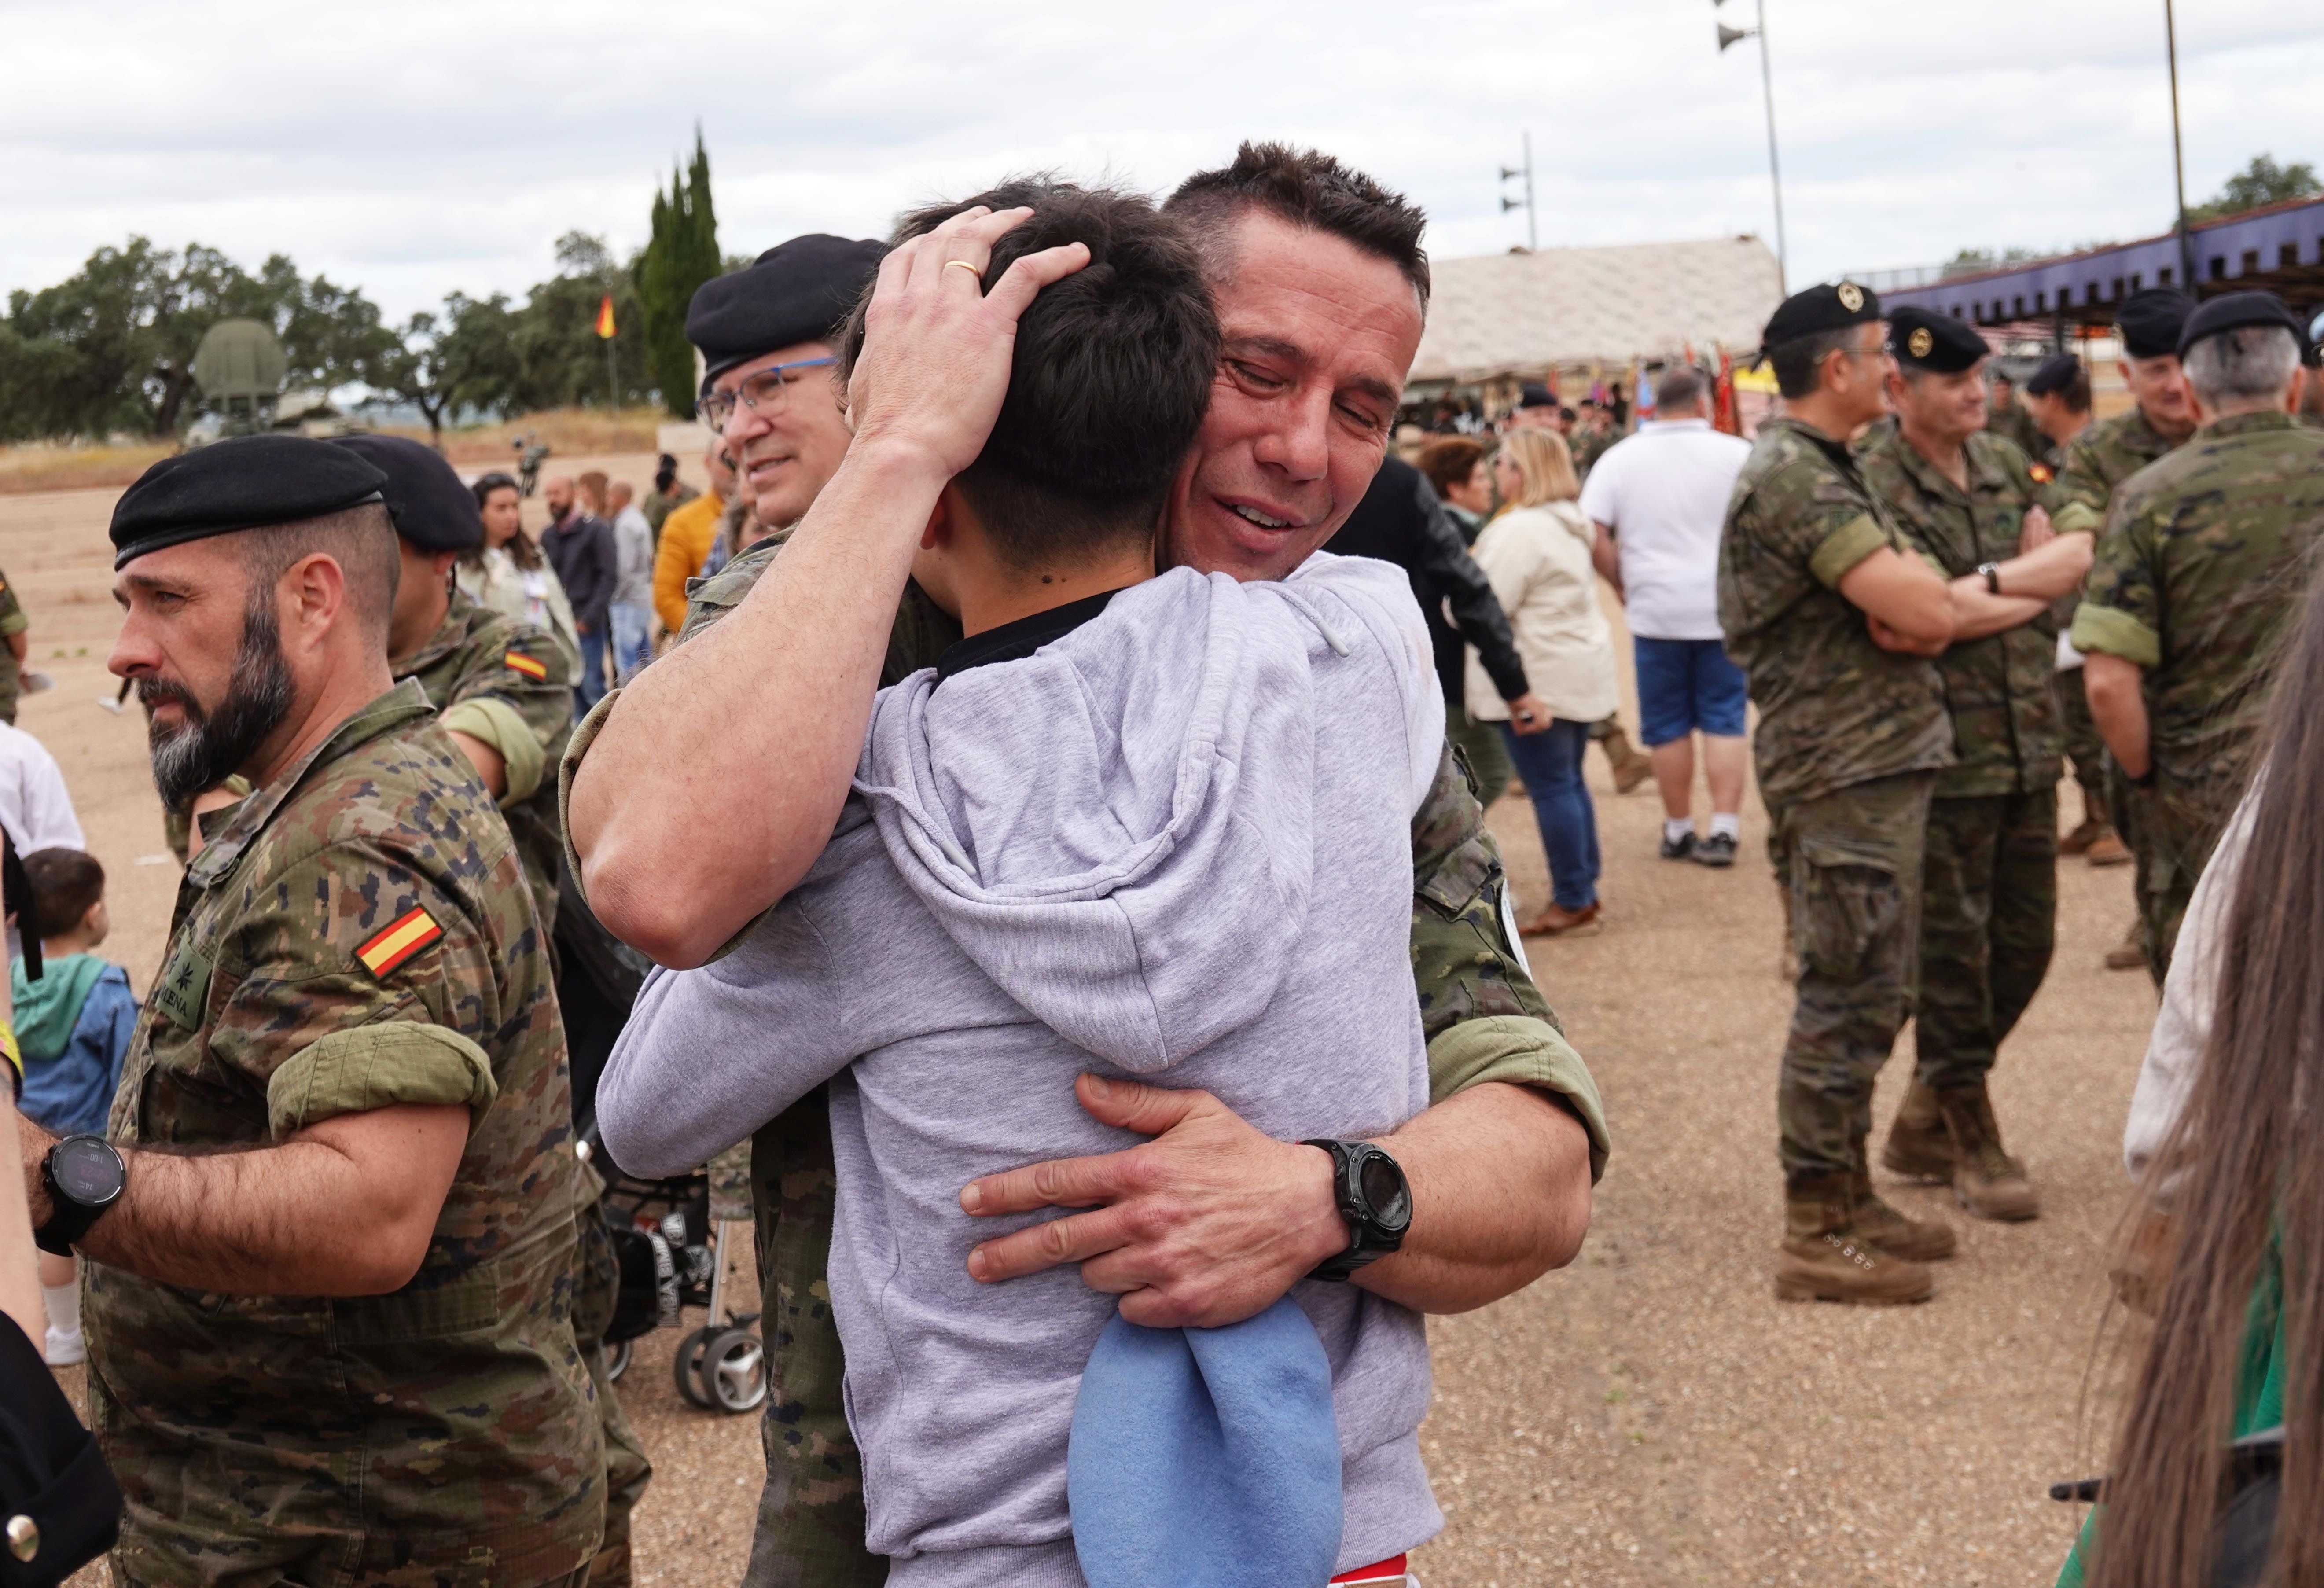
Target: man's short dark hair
{"type": "Point", "coordinates": [2075, 393]}
{"type": "Point", "coordinates": [65, 883]}
{"type": "Point", "coordinates": [1111, 374]}
{"type": "Point", "coordinates": [361, 540]}
{"type": "Point", "coordinates": [1681, 386]}
{"type": "Point", "coordinates": [1797, 362]}
{"type": "Point", "coordinates": [1309, 189]}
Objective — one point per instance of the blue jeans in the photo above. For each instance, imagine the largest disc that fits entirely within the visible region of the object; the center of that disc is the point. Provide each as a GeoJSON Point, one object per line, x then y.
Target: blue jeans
{"type": "Point", "coordinates": [590, 688]}
{"type": "Point", "coordinates": [631, 648]}
{"type": "Point", "coordinates": [1550, 763]}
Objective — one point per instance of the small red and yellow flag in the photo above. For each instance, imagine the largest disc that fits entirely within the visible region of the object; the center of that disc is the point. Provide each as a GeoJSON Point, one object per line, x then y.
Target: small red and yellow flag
{"type": "Point", "coordinates": [606, 316]}
{"type": "Point", "coordinates": [404, 936]}
{"type": "Point", "coordinates": [2041, 473]}
{"type": "Point", "coordinates": [517, 662]}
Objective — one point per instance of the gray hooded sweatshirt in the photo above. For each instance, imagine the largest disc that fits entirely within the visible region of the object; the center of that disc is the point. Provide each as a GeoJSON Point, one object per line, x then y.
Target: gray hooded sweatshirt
{"type": "Point", "coordinates": [1173, 847]}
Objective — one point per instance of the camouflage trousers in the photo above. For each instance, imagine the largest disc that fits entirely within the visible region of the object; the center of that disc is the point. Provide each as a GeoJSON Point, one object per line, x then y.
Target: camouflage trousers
{"type": "Point", "coordinates": [2084, 748]}
{"type": "Point", "coordinates": [2172, 833]}
{"type": "Point", "coordinates": [627, 1470]}
{"type": "Point", "coordinates": [1850, 864]}
{"type": "Point", "coordinates": [1989, 922]}
{"type": "Point", "coordinates": [1490, 768]}
{"type": "Point", "coordinates": [810, 1531]}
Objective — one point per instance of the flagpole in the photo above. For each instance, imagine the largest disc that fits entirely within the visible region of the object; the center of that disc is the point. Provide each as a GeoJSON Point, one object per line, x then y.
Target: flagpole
{"type": "Point", "coordinates": [613, 381]}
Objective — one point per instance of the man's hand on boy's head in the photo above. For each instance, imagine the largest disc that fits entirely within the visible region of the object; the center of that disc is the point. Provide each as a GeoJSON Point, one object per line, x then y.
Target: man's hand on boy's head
{"type": "Point", "coordinates": [936, 347]}
{"type": "Point", "coordinates": [1209, 1223]}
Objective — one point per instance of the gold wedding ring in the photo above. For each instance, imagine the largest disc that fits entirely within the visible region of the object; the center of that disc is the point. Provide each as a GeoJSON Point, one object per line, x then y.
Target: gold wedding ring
{"type": "Point", "coordinates": [964, 265]}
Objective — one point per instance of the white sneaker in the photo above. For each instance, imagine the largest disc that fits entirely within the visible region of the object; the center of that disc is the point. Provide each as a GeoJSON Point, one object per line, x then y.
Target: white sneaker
{"type": "Point", "coordinates": [65, 1351]}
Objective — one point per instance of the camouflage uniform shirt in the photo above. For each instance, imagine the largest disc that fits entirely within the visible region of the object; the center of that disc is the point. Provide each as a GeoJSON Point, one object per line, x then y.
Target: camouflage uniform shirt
{"type": "Point", "coordinates": [2201, 566]}
{"type": "Point", "coordinates": [13, 622]}
{"type": "Point", "coordinates": [1835, 709]}
{"type": "Point", "coordinates": [508, 684]}
{"type": "Point", "coordinates": [2008, 737]}
{"type": "Point", "coordinates": [2100, 458]}
{"type": "Point", "coordinates": [358, 934]}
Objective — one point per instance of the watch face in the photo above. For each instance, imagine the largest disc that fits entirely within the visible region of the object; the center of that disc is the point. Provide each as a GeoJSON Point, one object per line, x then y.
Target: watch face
{"type": "Point", "coordinates": [88, 1170]}
{"type": "Point", "coordinates": [1383, 1186]}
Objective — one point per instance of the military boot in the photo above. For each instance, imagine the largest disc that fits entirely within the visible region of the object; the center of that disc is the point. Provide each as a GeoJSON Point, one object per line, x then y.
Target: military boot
{"type": "Point", "coordinates": [1631, 766]}
{"type": "Point", "coordinates": [1987, 1181]}
{"type": "Point", "coordinates": [1918, 1146]}
{"type": "Point", "coordinates": [1914, 1239]}
{"type": "Point", "coordinates": [1826, 1258]}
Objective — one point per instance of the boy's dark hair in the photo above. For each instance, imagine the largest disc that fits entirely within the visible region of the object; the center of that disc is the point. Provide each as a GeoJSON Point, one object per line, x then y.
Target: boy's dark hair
{"type": "Point", "coordinates": [1111, 377]}
{"type": "Point", "coordinates": [1307, 188]}
{"type": "Point", "coordinates": [65, 883]}
{"type": "Point", "coordinates": [1798, 364]}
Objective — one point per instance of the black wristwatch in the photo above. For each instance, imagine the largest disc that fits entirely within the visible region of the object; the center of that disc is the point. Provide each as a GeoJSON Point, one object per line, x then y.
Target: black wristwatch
{"type": "Point", "coordinates": [83, 1177]}
{"type": "Point", "coordinates": [1375, 1200]}
{"type": "Point", "coordinates": [1992, 573]}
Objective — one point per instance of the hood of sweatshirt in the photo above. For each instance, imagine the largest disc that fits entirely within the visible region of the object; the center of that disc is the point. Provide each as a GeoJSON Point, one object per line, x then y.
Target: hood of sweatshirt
{"type": "Point", "coordinates": [1117, 828]}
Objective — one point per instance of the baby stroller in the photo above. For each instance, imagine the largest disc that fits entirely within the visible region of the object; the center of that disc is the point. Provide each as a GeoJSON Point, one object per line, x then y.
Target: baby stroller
{"type": "Point", "coordinates": [669, 1236]}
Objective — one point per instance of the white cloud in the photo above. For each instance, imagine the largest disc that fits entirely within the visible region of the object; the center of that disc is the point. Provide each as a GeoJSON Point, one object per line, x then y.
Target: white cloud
{"type": "Point", "coordinates": [428, 146]}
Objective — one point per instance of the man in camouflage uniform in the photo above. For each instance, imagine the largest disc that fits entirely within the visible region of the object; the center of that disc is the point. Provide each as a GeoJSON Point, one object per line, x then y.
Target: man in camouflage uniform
{"type": "Point", "coordinates": [502, 692]}
{"type": "Point", "coordinates": [13, 645]}
{"type": "Point", "coordinates": [2202, 562]}
{"type": "Point", "coordinates": [2097, 461]}
{"type": "Point", "coordinates": [2008, 418]}
{"type": "Point", "coordinates": [1965, 499]}
{"type": "Point", "coordinates": [329, 1310]}
{"type": "Point", "coordinates": [1485, 1021]}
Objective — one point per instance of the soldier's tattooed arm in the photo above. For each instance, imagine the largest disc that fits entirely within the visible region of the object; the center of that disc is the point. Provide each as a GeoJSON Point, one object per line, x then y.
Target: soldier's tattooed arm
{"type": "Point", "coordinates": [343, 1208]}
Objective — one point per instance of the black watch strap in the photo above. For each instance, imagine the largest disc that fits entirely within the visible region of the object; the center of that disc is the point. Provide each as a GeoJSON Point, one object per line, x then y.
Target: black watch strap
{"type": "Point", "coordinates": [69, 1217]}
{"type": "Point", "coordinates": [1374, 1201]}
{"type": "Point", "coordinates": [1992, 572]}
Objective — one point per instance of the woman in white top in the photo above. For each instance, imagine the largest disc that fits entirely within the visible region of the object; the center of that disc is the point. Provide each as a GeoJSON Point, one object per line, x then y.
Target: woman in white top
{"type": "Point", "coordinates": [1536, 554]}
{"type": "Point", "coordinates": [509, 574]}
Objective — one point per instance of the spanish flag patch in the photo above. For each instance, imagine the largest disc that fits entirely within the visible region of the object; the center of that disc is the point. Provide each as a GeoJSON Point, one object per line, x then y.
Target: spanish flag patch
{"type": "Point", "coordinates": [406, 935]}
{"type": "Point", "coordinates": [2041, 473]}
{"type": "Point", "coordinates": [517, 662]}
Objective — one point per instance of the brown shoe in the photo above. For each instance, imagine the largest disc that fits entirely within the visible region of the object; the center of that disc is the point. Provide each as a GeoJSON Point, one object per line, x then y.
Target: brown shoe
{"type": "Point", "coordinates": [2107, 849]}
{"type": "Point", "coordinates": [1918, 1146]}
{"type": "Point", "coordinates": [2081, 837]}
{"type": "Point", "coordinates": [1914, 1239]}
{"type": "Point", "coordinates": [1630, 773]}
{"type": "Point", "coordinates": [1825, 1258]}
{"type": "Point", "coordinates": [1987, 1180]}
{"type": "Point", "coordinates": [2131, 956]}
{"type": "Point", "coordinates": [1557, 922]}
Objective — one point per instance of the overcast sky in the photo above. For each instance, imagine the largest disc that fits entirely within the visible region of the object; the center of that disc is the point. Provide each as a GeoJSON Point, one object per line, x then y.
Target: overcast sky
{"type": "Point", "coordinates": [417, 147]}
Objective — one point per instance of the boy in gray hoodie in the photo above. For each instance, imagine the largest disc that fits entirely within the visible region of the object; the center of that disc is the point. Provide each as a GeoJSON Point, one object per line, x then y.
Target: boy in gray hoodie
{"type": "Point", "coordinates": [1133, 826]}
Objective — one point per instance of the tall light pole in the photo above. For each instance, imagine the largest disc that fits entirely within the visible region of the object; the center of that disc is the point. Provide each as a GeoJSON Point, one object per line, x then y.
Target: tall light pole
{"type": "Point", "coordinates": [1727, 36]}
{"type": "Point", "coordinates": [1509, 174]}
{"type": "Point", "coordinates": [2177, 160]}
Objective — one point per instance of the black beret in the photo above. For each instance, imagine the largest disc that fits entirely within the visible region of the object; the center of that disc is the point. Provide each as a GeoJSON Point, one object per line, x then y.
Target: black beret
{"type": "Point", "coordinates": [1534, 394]}
{"type": "Point", "coordinates": [1936, 343]}
{"type": "Point", "coordinates": [2149, 322]}
{"type": "Point", "coordinates": [796, 291]}
{"type": "Point", "coordinates": [2057, 373]}
{"type": "Point", "coordinates": [247, 482]}
{"type": "Point", "coordinates": [2231, 310]}
{"type": "Point", "coordinates": [431, 508]}
{"type": "Point", "coordinates": [1829, 307]}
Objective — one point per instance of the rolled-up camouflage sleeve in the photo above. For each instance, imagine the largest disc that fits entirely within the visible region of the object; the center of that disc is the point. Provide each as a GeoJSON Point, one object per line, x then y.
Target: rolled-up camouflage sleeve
{"type": "Point", "coordinates": [354, 983]}
{"type": "Point", "coordinates": [521, 706]}
{"type": "Point", "coordinates": [1484, 1018]}
{"type": "Point", "coordinates": [2079, 499]}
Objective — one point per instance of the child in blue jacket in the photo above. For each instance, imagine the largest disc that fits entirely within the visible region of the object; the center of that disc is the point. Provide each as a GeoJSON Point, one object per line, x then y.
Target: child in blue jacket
{"type": "Point", "coordinates": [74, 1026]}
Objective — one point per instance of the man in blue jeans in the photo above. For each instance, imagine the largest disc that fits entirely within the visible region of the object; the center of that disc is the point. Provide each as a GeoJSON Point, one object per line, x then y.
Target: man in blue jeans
{"type": "Point", "coordinates": [1658, 500]}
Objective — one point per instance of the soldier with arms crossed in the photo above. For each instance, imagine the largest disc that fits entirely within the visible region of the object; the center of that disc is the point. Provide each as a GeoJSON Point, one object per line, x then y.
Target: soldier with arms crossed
{"type": "Point", "coordinates": [1320, 283]}
{"type": "Point", "coordinates": [330, 1239]}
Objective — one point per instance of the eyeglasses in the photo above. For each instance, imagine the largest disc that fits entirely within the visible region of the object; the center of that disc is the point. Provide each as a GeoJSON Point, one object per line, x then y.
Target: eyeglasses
{"type": "Point", "coordinates": [765, 392]}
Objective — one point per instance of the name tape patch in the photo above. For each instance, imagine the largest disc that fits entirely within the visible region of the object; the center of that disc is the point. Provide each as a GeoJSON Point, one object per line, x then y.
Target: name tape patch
{"type": "Point", "coordinates": [404, 936]}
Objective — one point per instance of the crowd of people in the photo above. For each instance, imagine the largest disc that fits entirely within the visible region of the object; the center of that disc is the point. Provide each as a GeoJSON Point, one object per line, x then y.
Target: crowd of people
{"type": "Point", "coordinates": [1109, 973]}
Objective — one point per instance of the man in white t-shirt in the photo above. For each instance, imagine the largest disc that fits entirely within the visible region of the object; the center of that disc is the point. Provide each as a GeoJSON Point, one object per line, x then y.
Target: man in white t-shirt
{"type": "Point", "coordinates": [1658, 499]}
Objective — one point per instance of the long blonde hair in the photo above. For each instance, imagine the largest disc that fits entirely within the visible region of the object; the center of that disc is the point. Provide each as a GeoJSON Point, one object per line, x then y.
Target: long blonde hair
{"type": "Point", "coordinates": [1545, 467]}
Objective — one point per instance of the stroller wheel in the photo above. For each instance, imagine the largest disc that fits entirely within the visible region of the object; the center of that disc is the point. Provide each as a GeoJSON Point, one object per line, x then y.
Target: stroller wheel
{"type": "Point", "coordinates": [685, 1367]}
{"type": "Point", "coordinates": [734, 1370]}
{"type": "Point", "coordinates": [617, 1360]}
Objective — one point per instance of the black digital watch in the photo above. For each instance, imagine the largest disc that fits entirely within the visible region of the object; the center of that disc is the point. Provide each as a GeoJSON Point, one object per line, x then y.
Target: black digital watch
{"type": "Point", "coordinates": [83, 1177]}
{"type": "Point", "coordinates": [1374, 1199]}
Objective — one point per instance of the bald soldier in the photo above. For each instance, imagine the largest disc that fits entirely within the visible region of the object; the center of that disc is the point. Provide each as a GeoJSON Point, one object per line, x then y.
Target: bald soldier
{"type": "Point", "coordinates": [2204, 556]}
{"type": "Point", "coordinates": [1966, 500]}
{"type": "Point", "coordinates": [1834, 615]}
{"type": "Point", "coordinates": [330, 1239]}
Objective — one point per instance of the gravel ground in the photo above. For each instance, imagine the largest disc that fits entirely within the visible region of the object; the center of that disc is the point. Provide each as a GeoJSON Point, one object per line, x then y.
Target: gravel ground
{"type": "Point", "coordinates": [1652, 1415]}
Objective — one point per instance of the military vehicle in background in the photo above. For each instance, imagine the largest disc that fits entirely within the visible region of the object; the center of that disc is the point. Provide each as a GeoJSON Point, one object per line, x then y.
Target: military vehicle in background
{"type": "Point", "coordinates": [239, 366]}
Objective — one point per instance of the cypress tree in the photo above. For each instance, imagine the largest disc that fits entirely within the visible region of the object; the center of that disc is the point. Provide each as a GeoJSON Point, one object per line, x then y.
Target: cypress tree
{"type": "Point", "coordinates": [681, 252]}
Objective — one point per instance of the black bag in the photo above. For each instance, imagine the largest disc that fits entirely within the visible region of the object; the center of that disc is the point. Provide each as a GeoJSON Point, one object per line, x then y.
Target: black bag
{"type": "Point", "coordinates": [59, 1508]}
{"type": "Point", "coordinates": [648, 1297]}
{"type": "Point", "coordinates": [2247, 1525]}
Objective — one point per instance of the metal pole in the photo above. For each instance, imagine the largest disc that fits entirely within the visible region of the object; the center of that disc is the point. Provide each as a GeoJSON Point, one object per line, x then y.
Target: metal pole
{"type": "Point", "coordinates": [1774, 167]}
{"type": "Point", "coordinates": [1533, 237]}
{"type": "Point", "coordinates": [613, 381]}
{"type": "Point", "coordinates": [2178, 159]}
